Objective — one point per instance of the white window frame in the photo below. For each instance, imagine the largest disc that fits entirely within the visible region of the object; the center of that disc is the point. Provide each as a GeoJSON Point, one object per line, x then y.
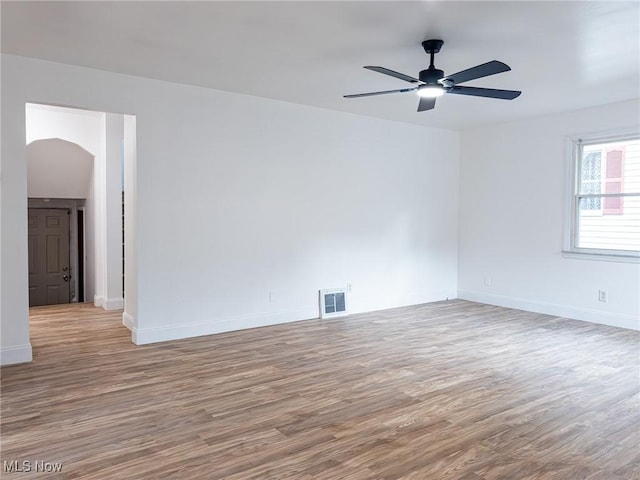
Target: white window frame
{"type": "Point", "coordinates": [571, 211]}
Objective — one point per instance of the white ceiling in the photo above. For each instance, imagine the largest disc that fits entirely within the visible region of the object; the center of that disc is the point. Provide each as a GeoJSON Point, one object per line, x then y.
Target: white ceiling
{"type": "Point", "coordinates": [564, 55]}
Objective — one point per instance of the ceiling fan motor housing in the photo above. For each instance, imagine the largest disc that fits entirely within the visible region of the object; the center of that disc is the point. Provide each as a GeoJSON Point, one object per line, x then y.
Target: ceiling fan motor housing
{"type": "Point", "coordinates": [430, 76]}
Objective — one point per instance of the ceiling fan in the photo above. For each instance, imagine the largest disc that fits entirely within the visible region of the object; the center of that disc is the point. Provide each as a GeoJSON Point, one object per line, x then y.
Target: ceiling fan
{"type": "Point", "coordinates": [432, 83]}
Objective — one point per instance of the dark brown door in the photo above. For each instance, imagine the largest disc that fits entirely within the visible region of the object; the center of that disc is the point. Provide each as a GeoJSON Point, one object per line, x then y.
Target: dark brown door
{"type": "Point", "coordinates": [49, 272]}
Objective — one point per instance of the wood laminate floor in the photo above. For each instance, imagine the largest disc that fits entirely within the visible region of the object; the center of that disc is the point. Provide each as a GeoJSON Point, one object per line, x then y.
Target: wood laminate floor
{"type": "Point", "coordinates": [450, 390]}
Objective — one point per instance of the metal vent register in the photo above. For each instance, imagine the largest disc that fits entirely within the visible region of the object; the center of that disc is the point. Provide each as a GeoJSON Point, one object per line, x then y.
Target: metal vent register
{"type": "Point", "coordinates": [333, 303]}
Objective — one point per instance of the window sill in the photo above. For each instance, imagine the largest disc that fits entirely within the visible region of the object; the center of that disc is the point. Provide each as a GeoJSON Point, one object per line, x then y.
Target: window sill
{"type": "Point", "coordinates": [603, 257]}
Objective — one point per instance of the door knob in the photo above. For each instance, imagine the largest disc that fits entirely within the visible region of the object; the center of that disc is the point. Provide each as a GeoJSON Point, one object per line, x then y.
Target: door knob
{"type": "Point", "coordinates": [65, 278]}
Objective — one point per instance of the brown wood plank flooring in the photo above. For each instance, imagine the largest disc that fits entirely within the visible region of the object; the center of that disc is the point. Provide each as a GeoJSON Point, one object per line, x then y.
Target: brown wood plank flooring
{"type": "Point", "coordinates": [444, 391]}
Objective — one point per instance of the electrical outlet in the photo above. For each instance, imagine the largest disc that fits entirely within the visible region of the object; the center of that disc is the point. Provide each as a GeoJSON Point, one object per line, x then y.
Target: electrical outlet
{"type": "Point", "coordinates": [487, 281]}
{"type": "Point", "coordinates": [349, 287]}
{"type": "Point", "coordinates": [602, 295]}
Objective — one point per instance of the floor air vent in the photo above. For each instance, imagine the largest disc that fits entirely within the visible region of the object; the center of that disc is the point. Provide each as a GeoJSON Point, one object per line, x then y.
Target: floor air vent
{"type": "Point", "coordinates": [333, 303]}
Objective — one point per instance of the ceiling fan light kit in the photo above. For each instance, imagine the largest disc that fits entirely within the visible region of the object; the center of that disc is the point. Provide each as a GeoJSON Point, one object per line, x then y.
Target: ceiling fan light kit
{"type": "Point", "coordinates": [430, 91]}
{"type": "Point", "coordinates": [432, 83]}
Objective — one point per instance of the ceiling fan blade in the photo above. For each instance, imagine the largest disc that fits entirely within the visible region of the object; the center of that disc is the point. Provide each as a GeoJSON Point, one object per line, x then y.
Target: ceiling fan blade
{"type": "Point", "coordinates": [426, 104]}
{"type": "Point", "coordinates": [401, 90]}
{"type": "Point", "coordinates": [479, 71]}
{"type": "Point", "coordinates": [485, 92]}
{"type": "Point", "coordinates": [399, 75]}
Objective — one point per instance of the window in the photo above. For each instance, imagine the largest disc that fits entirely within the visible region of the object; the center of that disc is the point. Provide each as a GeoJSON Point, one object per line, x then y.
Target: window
{"type": "Point", "coordinates": [605, 200]}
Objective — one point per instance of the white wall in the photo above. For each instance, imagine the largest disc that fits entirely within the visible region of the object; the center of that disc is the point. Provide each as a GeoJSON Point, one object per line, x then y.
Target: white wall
{"type": "Point", "coordinates": [246, 207]}
{"type": "Point", "coordinates": [111, 265]}
{"type": "Point", "coordinates": [130, 223]}
{"type": "Point", "coordinates": [82, 127]}
{"type": "Point", "coordinates": [512, 189]}
{"type": "Point", "coordinates": [15, 346]}
{"type": "Point", "coordinates": [58, 169]}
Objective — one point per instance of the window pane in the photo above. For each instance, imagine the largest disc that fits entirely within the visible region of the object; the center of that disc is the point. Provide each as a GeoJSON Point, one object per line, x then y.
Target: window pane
{"type": "Point", "coordinates": [330, 303]}
{"type": "Point", "coordinates": [591, 203]}
{"type": "Point", "coordinates": [340, 305]}
{"type": "Point", "coordinates": [591, 166]}
{"type": "Point", "coordinates": [610, 167]}
{"type": "Point", "coordinates": [628, 166]}
{"type": "Point", "coordinates": [616, 232]}
{"type": "Point", "coordinates": [591, 178]}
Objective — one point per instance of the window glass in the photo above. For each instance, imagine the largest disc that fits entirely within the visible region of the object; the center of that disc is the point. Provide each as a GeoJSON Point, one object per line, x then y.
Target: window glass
{"type": "Point", "coordinates": [591, 180]}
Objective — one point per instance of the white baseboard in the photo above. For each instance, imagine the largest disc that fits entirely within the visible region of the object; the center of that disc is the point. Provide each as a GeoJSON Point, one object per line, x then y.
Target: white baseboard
{"type": "Point", "coordinates": [113, 304]}
{"type": "Point", "coordinates": [128, 321]}
{"type": "Point", "coordinates": [566, 311]}
{"type": "Point", "coordinates": [16, 354]}
{"type": "Point", "coordinates": [98, 301]}
{"type": "Point", "coordinates": [108, 303]}
{"type": "Point", "coordinates": [143, 336]}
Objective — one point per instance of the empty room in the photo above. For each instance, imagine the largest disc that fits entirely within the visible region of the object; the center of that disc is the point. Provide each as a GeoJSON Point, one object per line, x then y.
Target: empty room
{"type": "Point", "coordinates": [359, 240]}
